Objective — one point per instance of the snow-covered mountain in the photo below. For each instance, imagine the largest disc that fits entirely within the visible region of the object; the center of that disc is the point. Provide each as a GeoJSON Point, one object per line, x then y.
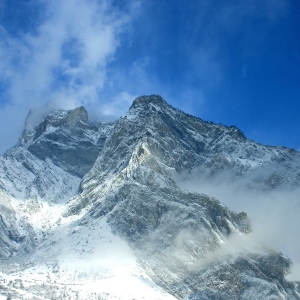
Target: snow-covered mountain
{"type": "Point", "coordinates": [93, 211]}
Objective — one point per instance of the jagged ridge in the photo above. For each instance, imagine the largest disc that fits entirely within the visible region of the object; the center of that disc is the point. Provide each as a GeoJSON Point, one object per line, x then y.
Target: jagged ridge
{"type": "Point", "coordinates": [125, 172]}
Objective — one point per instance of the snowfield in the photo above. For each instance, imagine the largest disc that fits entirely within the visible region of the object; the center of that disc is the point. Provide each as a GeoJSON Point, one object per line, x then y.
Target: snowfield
{"type": "Point", "coordinates": [87, 262]}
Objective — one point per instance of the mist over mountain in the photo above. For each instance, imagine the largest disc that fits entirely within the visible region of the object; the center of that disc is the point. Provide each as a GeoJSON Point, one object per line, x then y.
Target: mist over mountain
{"type": "Point", "coordinates": [156, 205]}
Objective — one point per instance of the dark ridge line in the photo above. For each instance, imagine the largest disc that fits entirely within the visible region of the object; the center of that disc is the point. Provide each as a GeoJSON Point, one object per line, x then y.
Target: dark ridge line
{"type": "Point", "coordinates": [187, 114]}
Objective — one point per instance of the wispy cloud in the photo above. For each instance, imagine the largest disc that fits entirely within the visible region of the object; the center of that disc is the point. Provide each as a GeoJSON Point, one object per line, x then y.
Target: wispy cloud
{"type": "Point", "coordinates": [61, 62]}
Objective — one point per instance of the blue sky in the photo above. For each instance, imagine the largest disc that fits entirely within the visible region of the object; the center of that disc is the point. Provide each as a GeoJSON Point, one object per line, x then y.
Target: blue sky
{"type": "Point", "coordinates": [230, 62]}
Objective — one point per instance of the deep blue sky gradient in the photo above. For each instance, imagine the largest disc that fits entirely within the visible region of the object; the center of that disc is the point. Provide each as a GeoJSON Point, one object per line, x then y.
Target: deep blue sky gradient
{"type": "Point", "coordinates": [253, 78]}
{"type": "Point", "coordinates": [230, 62]}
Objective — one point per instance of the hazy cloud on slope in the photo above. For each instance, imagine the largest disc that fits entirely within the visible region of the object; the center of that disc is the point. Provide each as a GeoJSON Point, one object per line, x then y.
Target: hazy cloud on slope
{"type": "Point", "coordinates": [274, 215]}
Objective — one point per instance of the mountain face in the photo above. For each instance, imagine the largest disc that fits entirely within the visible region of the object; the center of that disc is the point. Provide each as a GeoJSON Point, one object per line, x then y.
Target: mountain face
{"type": "Point", "coordinates": [94, 211]}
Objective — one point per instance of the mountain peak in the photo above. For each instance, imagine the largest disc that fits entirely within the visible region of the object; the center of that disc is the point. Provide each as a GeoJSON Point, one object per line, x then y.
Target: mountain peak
{"type": "Point", "coordinates": [33, 129]}
{"type": "Point", "coordinates": [71, 117]}
{"type": "Point", "coordinates": [146, 100]}
{"type": "Point", "coordinates": [77, 115]}
{"type": "Point", "coordinates": [69, 183]}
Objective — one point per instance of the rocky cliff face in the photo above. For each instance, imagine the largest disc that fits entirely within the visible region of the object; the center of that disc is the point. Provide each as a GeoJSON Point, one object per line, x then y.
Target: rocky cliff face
{"type": "Point", "coordinates": [121, 174]}
{"type": "Point", "coordinates": [67, 139]}
{"type": "Point", "coordinates": [45, 168]}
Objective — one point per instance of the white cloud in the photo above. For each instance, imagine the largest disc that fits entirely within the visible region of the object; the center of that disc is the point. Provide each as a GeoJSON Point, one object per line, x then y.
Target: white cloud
{"type": "Point", "coordinates": [62, 62]}
{"type": "Point", "coordinates": [115, 107]}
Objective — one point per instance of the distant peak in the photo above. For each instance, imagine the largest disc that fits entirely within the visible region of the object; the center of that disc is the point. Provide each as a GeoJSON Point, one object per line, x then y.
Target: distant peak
{"type": "Point", "coordinates": [71, 117]}
{"type": "Point", "coordinates": [145, 100]}
{"type": "Point", "coordinates": [35, 127]}
{"type": "Point", "coordinates": [76, 115]}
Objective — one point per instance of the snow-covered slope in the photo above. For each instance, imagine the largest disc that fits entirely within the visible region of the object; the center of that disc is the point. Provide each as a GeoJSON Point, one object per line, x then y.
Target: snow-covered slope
{"type": "Point", "coordinates": [16, 234]}
{"type": "Point", "coordinates": [103, 217]}
{"type": "Point", "coordinates": [43, 171]}
{"type": "Point", "coordinates": [80, 262]}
